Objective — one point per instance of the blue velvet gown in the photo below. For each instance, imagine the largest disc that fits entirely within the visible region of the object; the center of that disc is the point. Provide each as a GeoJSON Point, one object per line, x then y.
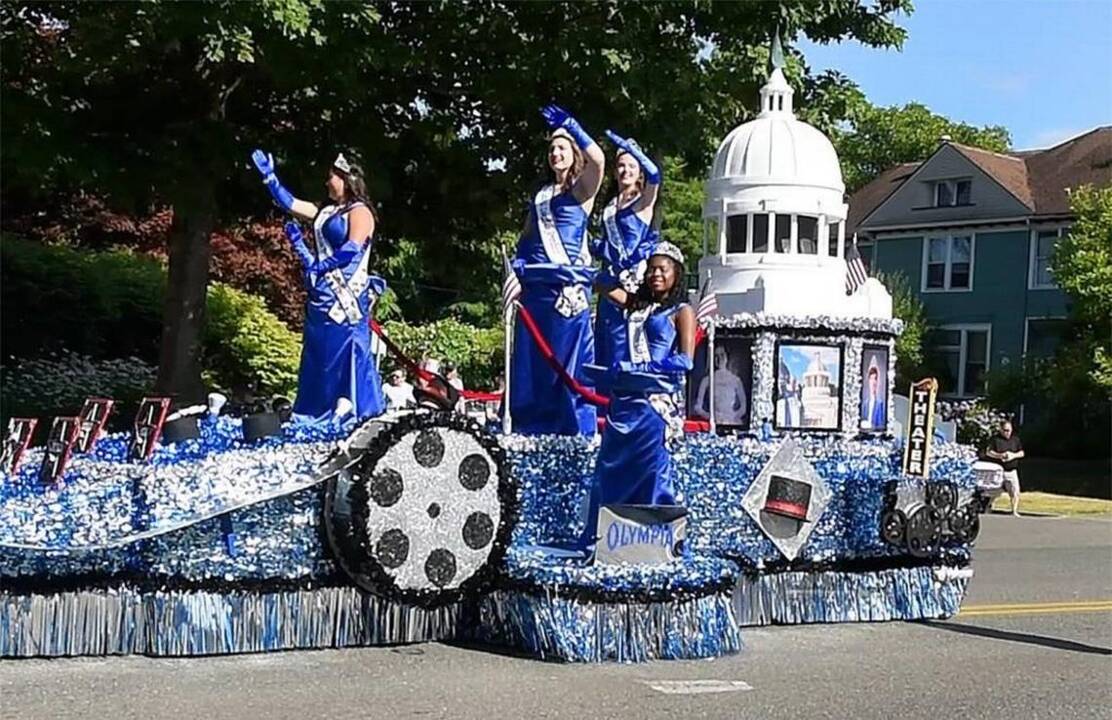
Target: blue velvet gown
{"type": "Point", "coordinates": [556, 289]}
{"type": "Point", "coordinates": [336, 359]}
{"type": "Point", "coordinates": [623, 263]}
{"type": "Point", "coordinates": [634, 465]}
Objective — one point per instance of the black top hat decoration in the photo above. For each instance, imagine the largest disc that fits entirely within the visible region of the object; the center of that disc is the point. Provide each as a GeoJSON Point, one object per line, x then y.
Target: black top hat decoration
{"type": "Point", "coordinates": [788, 498]}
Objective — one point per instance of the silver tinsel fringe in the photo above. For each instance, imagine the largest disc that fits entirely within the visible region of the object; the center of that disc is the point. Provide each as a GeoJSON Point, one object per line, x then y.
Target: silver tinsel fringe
{"type": "Point", "coordinates": [126, 621]}
{"type": "Point", "coordinates": [792, 598]}
{"type": "Point", "coordinates": [561, 628]}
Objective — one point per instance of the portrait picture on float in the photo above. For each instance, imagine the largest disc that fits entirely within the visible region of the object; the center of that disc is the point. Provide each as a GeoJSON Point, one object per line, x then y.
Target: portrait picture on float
{"type": "Point", "coordinates": [732, 386]}
{"type": "Point", "coordinates": [808, 390]}
{"type": "Point", "coordinates": [874, 388]}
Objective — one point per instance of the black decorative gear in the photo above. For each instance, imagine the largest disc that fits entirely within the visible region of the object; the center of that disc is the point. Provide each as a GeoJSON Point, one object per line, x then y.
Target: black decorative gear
{"type": "Point", "coordinates": [893, 526]}
{"type": "Point", "coordinates": [364, 489]}
{"type": "Point", "coordinates": [924, 532]}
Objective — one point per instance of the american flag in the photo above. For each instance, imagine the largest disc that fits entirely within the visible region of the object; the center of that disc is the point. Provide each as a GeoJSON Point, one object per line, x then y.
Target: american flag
{"type": "Point", "coordinates": [708, 305]}
{"type": "Point", "coordinates": [511, 287]}
{"type": "Point", "coordinates": [855, 269]}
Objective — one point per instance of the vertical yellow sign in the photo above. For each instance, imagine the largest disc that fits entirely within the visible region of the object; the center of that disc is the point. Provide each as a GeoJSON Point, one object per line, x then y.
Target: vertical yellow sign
{"type": "Point", "coordinates": [920, 428]}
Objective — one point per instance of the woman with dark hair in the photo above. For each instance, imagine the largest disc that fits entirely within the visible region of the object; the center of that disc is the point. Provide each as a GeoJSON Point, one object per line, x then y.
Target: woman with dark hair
{"type": "Point", "coordinates": [336, 358]}
{"type": "Point", "coordinates": [554, 265]}
{"type": "Point", "coordinates": [634, 465]}
{"type": "Point", "coordinates": [627, 240]}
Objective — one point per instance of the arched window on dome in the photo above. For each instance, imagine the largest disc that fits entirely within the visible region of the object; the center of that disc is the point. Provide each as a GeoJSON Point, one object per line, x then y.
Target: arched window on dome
{"type": "Point", "coordinates": [834, 244]}
{"type": "Point", "coordinates": [783, 233]}
{"type": "Point", "coordinates": [760, 233]}
{"type": "Point", "coordinates": [808, 235]}
{"type": "Point", "coordinates": [737, 234]}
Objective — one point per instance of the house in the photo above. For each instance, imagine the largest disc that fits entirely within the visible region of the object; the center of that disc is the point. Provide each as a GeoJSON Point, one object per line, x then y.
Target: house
{"type": "Point", "coordinates": [973, 231]}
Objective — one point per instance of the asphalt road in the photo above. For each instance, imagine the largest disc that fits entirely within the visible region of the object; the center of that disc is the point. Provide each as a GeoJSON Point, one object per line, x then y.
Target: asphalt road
{"type": "Point", "coordinates": [1025, 646]}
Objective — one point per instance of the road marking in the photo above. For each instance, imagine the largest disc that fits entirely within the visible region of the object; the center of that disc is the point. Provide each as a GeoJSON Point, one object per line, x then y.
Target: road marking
{"type": "Point", "coordinates": [1045, 608]}
{"type": "Point", "coordinates": [696, 687]}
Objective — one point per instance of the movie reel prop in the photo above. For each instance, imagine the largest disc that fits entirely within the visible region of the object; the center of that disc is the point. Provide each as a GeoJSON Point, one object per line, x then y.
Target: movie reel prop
{"type": "Point", "coordinates": [920, 518]}
{"type": "Point", "coordinates": [424, 513]}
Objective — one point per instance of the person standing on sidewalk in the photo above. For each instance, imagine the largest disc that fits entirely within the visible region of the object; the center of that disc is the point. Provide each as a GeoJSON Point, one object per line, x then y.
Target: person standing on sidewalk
{"type": "Point", "coordinates": [1005, 449]}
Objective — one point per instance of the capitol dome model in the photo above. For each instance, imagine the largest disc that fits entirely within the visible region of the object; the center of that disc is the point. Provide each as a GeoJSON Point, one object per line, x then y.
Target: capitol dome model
{"type": "Point", "coordinates": [774, 219]}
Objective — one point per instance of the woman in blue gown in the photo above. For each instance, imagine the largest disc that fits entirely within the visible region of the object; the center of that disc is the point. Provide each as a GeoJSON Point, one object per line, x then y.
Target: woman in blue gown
{"type": "Point", "coordinates": [554, 265]}
{"type": "Point", "coordinates": [336, 359]}
{"type": "Point", "coordinates": [627, 241]}
{"type": "Point", "coordinates": [634, 465]}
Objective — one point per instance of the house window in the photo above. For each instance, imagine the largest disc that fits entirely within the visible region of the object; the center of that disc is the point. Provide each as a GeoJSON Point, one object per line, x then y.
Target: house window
{"type": "Point", "coordinates": [950, 193]}
{"type": "Point", "coordinates": [959, 356]}
{"type": "Point", "coordinates": [1042, 249]}
{"type": "Point", "coordinates": [948, 263]}
{"type": "Point", "coordinates": [1043, 337]}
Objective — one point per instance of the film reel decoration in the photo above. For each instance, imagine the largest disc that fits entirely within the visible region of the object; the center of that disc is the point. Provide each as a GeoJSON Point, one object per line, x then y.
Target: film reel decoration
{"type": "Point", "coordinates": [423, 515]}
{"type": "Point", "coordinates": [922, 517]}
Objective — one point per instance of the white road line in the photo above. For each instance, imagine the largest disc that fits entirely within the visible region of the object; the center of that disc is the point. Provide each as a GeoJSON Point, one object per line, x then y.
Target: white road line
{"type": "Point", "coordinates": [697, 687]}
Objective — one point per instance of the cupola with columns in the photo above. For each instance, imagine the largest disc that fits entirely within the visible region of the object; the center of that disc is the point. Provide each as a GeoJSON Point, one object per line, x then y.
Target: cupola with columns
{"type": "Point", "coordinates": [774, 218]}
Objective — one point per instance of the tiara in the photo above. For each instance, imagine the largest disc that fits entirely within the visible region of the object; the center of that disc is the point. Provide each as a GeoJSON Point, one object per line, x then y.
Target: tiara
{"type": "Point", "coordinates": [341, 163]}
{"type": "Point", "coordinates": [669, 250]}
{"type": "Point", "coordinates": [561, 132]}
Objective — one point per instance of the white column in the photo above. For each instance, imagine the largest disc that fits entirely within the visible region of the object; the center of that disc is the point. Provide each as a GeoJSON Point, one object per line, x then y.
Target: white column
{"type": "Point", "coordinates": [793, 243]}
{"type": "Point", "coordinates": [842, 238]}
{"type": "Point", "coordinates": [822, 242]}
{"type": "Point", "coordinates": [749, 232]}
{"type": "Point", "coordinates": [771, 248]}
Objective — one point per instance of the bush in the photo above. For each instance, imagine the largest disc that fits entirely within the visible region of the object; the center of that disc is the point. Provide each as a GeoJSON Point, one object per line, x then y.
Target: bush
{"type": "Point", "coordinates": [245, 346]}
{"type": "Point", "coordinates": [477, 352]}
{"type": "Point", "coordinates": [976, 421]}
{"type": "Point", "coordinates": [907, 306]}
{"type": "Point", "coordinates": [104, 305]}
{"type": "Point", "coordinates": [58, 384]}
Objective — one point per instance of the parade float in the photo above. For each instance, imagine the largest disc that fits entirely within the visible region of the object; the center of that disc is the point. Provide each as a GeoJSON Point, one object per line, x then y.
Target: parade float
{"type": "Point", "coordinates": [208, 534]}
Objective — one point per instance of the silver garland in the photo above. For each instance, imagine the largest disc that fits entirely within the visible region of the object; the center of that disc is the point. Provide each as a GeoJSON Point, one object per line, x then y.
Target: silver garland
{"type": "Point", "coordinates": [128, 621]}
{"type": "Point", "coordinates": [789, 598]}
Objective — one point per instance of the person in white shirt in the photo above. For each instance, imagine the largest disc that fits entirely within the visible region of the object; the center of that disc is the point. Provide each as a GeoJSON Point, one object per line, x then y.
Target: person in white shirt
{"type": "Point", "coordinates": [731, 403]}
{"type": "Point", "coordinates": [399, 393]}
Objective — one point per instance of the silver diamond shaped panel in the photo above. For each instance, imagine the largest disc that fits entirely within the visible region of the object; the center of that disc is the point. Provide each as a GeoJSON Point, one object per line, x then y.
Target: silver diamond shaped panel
{"type": "Point", "coordinates": [788, 535]}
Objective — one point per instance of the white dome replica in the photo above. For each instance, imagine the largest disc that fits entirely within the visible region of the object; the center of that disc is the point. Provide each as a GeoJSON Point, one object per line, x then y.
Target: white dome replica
{"type": "Point", "coordinates": [774, 220]}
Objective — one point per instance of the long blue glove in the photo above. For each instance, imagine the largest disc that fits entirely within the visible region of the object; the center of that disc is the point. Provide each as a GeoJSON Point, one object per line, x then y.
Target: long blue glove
{"type": "Point", "coordinates": [264, 163]}
{"type": "Point", "coordinates": [652, 172]}
{"type": "Point", "coordinates": [313, 267]}
{"type": "Point", "coordinates": [674, 363]}
{"type": "Point", "coordinates": [558, 117]}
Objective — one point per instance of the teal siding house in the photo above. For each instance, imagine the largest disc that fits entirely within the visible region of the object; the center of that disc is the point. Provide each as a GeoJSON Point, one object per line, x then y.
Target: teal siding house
{"type": "Point", "coordinates": [974, 231]}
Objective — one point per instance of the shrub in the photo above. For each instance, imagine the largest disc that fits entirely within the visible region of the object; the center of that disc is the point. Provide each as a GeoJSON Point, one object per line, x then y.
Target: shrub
{"type": "Point", "coordinates": [109, 304]}
{"type": "Point", "coordinates": [106, 304]}
{"type": "Point", "coordinates": [477, 352]}
{"type": "Point", "coordinates": [58, 384]}
{"type": "Point", "coordinates": [246, 346]}
{"type": "Point", "coordinates": [976, 420]}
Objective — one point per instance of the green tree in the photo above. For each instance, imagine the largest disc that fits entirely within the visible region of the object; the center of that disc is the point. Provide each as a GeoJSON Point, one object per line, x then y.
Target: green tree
{"type": "Point", "coordinates": [906, 305]}
{"type": "Point", "coordinates": [161, 102]}
{"type": "Point", "coordinates": [1082, 267]}
{"type": "Point", "coordinates": [681, 209]}
{"type": "Point", "coordinates": [879, 138]}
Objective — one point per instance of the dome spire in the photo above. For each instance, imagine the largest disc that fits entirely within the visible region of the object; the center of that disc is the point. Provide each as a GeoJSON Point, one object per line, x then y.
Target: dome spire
{"type": "Point", "coordinates": [776, 95]}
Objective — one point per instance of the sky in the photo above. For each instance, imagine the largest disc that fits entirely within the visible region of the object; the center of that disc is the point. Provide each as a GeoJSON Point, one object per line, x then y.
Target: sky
{"type": "Point", "coordinates": [1040, 68]}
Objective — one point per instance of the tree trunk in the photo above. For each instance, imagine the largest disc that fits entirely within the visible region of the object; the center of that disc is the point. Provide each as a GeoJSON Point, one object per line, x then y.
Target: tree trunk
{"type": "Point", "coordinates": [183, 314]}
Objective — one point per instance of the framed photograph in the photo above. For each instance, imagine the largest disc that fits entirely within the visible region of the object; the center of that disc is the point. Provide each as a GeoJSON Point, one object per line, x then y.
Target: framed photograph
{"type": "Point", "coordinates": [808, 389]}
{"type": "Point", "coordinates": [732, 392]}
{"type": "Point", "coordinates": [874, 389]}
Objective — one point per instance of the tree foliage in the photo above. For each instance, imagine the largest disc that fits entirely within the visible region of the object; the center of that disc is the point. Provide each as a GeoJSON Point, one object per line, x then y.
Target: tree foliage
{"type": "Point", "coordinates": [1082, 267]}
{"type": "Point", "coordinates": [878, 138]}
{"type": "Point", "coordinates": [908, 307]}
{"type": "Point", "coordinates": [161, 102]}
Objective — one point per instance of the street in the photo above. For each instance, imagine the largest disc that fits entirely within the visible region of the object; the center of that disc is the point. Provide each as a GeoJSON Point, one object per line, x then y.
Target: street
{"type": "Point", "coordinates": [1034, 641]}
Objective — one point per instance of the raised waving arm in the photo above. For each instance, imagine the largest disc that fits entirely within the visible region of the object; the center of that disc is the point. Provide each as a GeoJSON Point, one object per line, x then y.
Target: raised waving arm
{"type": "Point", "coordinates": [590, 180]}
{"type": "Point", "coordinates": [264, 163]}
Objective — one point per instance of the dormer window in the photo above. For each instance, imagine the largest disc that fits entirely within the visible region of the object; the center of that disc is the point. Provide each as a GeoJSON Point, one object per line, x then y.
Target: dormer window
{"type": "Point", "coordinates": [950, 193]}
